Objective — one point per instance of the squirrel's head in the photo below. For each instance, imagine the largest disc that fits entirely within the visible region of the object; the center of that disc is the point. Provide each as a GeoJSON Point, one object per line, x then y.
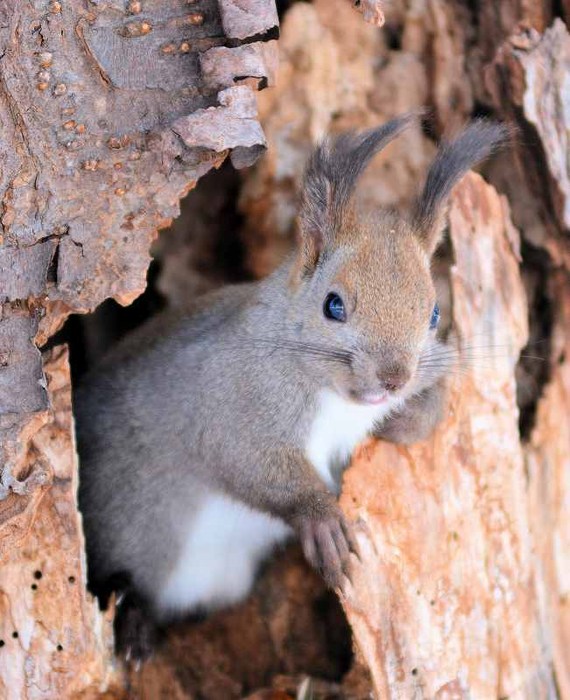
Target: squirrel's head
{"type": "Point", "coordinates": [369, 309]}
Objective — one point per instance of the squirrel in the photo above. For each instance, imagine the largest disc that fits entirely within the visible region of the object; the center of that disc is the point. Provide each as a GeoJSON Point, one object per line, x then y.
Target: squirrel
{"type": "Point", "coordinates": [207, 438]}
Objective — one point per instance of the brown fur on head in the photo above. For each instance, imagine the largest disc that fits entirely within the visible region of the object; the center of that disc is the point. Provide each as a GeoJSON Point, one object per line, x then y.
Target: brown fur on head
{"type": "Point", "coordinates": [379, 265]}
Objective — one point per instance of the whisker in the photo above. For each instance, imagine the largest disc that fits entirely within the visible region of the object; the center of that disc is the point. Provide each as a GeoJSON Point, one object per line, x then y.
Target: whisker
{"type": "Point", "coordinates": [426, 369]}
{"type": "Point", "coordinates": [475, 354]}
{"type": "Point", "coordinates": [529, 343]}
{"type": "Point", "coordinates": [476, 358]}
{"type": "Point", "coordinates": [305, 349]}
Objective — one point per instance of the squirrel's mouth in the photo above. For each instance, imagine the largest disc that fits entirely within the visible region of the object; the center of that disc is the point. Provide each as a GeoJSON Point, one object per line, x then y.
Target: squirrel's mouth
{"type": "Point", "coordinates": [370, 398]}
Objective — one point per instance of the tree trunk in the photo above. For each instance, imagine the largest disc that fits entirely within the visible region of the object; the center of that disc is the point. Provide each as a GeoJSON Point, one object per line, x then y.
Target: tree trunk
{"type": "Point", "coordinates": [110, 112]}
{"type": "Point", "coordinates": [451, 583]}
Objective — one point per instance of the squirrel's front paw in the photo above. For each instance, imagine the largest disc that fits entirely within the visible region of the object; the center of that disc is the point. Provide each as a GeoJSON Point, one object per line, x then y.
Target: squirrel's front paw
{"type": "Point", "coordinates": [327, 544]}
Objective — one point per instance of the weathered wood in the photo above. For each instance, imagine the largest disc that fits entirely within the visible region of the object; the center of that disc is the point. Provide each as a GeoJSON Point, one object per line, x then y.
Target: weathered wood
{"type": "Point", "coordinates": [528, 82]}
{"type": "Point", "coordinates": [93, 97]}
{"type": "Point", "coordinates": [371, 11]}
{"type": "Point", "coordinates": [447, 599]}
{"type": "Point", "coordinates": [92, 163]}
{"type": "Point", "coordinates": [547, 467]}
{"type": "Point", "coordinates": [54, 641]}
{"type": "Point", "coordinates": [109, 112]}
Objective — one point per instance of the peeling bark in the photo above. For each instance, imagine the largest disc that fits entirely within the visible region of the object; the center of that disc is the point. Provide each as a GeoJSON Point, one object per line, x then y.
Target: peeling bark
{"type": "Point", "coordinates": [547, 467]}
{"type": "Point", "coordinates": [528, 80]}
{"type": "Point", "coordinates": [447, 598]}
{"type": "Point", "coordinates": [371, 11]}
{"type": "Point", "coordinates": [110, 112]}
{"type": "Point", "coordinates": [55, 642]}
{"type": "Point", "coordinates": [93, 97]}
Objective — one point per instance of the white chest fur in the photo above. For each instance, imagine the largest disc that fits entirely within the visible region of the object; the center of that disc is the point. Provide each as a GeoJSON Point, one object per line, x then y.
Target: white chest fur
{"type": "Point", "coordinates": [217, 565]}
{"type": "Point", "coordinates": [226, 539]}
{"type": "Point", "coordinates": [339, 425]}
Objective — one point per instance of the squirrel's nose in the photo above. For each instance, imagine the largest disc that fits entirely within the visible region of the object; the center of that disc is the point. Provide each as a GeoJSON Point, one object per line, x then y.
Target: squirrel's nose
{"type": "Point", "coordinates": [393, 385]}
{"type": "Point", "coordinates": [394, 379]}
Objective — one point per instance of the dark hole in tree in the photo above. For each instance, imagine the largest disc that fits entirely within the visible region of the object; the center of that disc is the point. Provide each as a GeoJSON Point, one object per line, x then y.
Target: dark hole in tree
{"type": "Point", "coordinates": [533, 369]}
{"type": "Point", "coordinates": [393, 35]}
{"type": "Point", "coordinates": [201, 251]}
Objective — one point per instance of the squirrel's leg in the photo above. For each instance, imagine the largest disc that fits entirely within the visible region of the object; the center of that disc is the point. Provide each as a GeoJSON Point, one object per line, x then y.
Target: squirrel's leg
{"type": "Point", "coordinates": [283, 483]}
{"type": "Point", "coordinates": [417, 418]}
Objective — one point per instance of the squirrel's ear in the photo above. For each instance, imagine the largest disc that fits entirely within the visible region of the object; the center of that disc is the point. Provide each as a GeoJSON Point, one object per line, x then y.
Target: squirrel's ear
{"type": "Point", "coordinates": [330, 178]}
{"type": "Point", "coordinates": [453, 160]}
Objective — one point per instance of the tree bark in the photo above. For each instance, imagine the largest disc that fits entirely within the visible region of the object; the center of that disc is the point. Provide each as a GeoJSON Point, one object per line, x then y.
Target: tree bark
{"type": "Point", "coordinates": [110, 112]}
{"type": "Point", "coordinates": [448, 602]}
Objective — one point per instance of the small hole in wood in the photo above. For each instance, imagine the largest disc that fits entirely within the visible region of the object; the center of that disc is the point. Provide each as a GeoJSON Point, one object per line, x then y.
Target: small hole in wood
{"type": "Point", "coordinates": [15, 635]}
{"type": "Point", "coordinates": [38, 574]}
{"type": "Point", "coordinates": [59, 647]}
{"type": "Point", "coordinates": [2, 642]}
{"type": "Point", "coordinates": [34, 586]}
{"type": "Point", "coordinates": [71, 579]}
{"type": "Point", "coordinates": [414, 672]}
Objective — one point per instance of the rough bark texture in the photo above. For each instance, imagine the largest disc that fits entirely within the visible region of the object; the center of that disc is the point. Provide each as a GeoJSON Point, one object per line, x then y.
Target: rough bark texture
{"type": "Point", "coordinates": [547, 467]}
{"type": "Point", "coordinates": [447, 600]}
{"type": "Point", "coordinates": [110, 112]}
{"type": "Point", "coordinates": [55, 643]}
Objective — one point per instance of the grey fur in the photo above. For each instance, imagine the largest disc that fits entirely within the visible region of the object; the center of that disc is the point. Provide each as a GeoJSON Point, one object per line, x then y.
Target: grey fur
{"type": "Point", "coordinates": [454, 158]}
{"type": "Point", "coordinates": [334, 168]}
{"type": "Point", "coordinates": [211, 403]}
{"type": "Point", "coordinates": [221, 400]}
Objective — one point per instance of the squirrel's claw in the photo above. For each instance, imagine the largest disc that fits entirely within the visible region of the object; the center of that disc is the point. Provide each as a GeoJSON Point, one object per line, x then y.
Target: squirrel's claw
{"type": "Point", "coordinates": [327, 545]}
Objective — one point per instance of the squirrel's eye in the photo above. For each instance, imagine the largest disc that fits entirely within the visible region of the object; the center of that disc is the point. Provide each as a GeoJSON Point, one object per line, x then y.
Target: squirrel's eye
{"type": "Point", "coordinates": [334, 307]}
{"type": "Point", "coordinates": [435, 314]}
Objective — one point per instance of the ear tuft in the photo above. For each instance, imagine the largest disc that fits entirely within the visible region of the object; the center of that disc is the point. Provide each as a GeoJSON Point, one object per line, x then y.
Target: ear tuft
{"type": "Point", "coordinates": [454, 158]}
{"type": "Point", "coordinates": [331, 174]}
